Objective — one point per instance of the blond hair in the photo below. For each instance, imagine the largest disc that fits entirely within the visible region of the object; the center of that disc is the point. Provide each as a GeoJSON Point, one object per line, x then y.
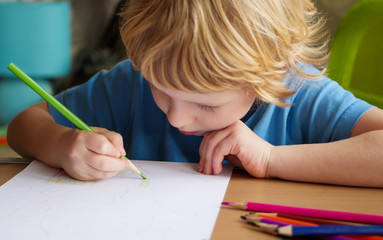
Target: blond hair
{"type": "Point", "coordinates": [215, 45]}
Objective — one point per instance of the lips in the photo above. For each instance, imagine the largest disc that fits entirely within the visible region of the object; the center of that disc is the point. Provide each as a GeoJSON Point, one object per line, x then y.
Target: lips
{"type": "Point", "coordinates": [189, 133]}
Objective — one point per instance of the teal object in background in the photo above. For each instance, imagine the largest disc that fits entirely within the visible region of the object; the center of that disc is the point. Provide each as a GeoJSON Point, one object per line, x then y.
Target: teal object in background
{"type": "Point", "coordinates": [36, 36]}
{"type": "Point", "coordinates": [16, 96]}
{"type": "Point", "coordinates": [357, 50]}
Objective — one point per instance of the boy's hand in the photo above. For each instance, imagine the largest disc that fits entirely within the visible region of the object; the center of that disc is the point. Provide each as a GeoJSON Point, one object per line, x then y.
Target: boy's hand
{"type": "Point", "coordinates": [87, 155]}
{"type": "Point", "coordinates": [239, 145]}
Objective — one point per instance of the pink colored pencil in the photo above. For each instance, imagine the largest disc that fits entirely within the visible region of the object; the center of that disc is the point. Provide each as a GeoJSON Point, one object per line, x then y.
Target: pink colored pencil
{"type": "Point", "coordinates": [308, 212]}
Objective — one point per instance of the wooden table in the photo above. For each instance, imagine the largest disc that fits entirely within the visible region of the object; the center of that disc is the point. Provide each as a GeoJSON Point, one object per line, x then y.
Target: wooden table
{"type": "Point", "coordinates": [242, 187]}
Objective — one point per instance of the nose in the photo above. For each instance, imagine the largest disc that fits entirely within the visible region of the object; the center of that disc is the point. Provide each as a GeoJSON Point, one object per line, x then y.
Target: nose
{"type": "Point", "coordinates": [180, 115]}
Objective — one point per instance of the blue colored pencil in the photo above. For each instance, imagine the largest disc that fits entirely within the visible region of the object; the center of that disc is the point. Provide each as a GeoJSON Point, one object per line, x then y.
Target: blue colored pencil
{"type": "Point", "coordinates": [330, 230]}
{"type": "Point", "coordinates": [256, 220]}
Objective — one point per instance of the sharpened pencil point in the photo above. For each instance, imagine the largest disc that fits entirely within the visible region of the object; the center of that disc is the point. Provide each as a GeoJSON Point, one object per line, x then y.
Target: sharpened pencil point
{"type": "Point", "coordinates": [227, 203]}
{"type": "Point", "coordinates": [143, 176]}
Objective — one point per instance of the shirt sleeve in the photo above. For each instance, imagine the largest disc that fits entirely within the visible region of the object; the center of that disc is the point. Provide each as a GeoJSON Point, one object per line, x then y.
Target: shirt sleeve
{"type": "Point", "coordinates": [322, 111]}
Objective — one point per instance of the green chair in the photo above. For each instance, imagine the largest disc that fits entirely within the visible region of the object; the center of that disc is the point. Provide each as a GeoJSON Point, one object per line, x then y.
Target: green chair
{"type": "Point", "coordinates": [357, 52]}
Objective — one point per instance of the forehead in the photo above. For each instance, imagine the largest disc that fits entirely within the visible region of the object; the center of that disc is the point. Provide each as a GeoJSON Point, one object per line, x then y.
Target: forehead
{"type": "Point", "coordinates": [215, 98]}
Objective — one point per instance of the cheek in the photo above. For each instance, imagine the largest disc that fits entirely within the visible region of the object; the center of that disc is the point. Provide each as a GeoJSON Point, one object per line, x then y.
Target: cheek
{"type": "Point", "coordinates": [219, 120]}
{"type": "Point", "coordinates": [161, 101]}
{"type": "Point", "coordinates": [223, 119]}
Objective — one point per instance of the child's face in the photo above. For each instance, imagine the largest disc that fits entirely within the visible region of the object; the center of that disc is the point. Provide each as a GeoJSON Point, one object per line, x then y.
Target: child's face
{"type": "Point", "coordinates": [198, 113]}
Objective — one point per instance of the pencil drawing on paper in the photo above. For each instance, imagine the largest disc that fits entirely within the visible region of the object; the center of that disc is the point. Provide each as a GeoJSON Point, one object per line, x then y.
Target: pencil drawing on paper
{"type": "Point", "coordinates": [61, 177]}
{"type": "Point", "coordinates": [52, 205]}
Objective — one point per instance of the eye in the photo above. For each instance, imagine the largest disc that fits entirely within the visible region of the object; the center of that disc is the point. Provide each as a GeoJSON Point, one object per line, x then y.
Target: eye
{"type": "Point", "coordinates": [208, 108]}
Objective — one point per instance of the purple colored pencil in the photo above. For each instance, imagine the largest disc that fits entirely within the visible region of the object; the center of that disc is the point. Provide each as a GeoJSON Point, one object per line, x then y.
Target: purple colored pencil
{"type": "Point", "coordinates": [269, 221]}
{"type": "Point", "coordinates": [308, 212]}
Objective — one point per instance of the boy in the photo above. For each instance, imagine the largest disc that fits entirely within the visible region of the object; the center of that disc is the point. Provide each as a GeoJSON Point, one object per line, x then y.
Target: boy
{"type": "Point", "coordinates": [214, 80]}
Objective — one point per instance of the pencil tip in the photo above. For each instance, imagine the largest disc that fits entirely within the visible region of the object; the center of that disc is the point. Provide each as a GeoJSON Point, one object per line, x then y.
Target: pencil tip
{"type": "Point", "coordinates": [143, 176]}
{"type": "Point", "coordinates": [243, 217]}
{"type": "Point", "coordinates": [227, 203]}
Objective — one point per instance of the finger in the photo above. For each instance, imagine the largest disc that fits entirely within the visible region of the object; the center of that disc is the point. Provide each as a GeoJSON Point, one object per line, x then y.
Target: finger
{"type": "Point", "coordinates": [217, 166]}
{"type": "Point", "coordinates": [209, 152]}
{"type": "Point", "coordinates": [96, 174]}
{"type": "Point", "coordinates": [204, 164]}
{"type": "Point", "coordinates": [107, 164]}
{"type": "Point", "coordinates": [115, 138]}
{"type": "Point", "coordinates": [99, 144]}
{"type": "Point", "coordinates": [201, 165]}
{"type": "Point", "coordinates": [225, 147]}
{"type": "Point", "coordinates": [202, 147]}
{"type": "Point", "coordinates": [206, 155]}
{"type": "Point", "coordinates": [218, 156]}
{"type": "Point", "coordinates": [92, 174]}
{"type": "Point", "coordinates": [213, 140]}
{"type": "Point", "coordinates": [82, 170]}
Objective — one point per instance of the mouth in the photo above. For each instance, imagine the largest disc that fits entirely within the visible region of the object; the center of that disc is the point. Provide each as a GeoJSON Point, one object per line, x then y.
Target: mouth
{"type": "Point", "coordinates": [189, 133]}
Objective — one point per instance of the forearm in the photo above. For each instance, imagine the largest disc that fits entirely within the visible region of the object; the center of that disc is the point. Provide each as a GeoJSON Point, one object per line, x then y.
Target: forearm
{"type": "Point", "coordinates": [356, 161]}
{"type": "Point", "coordinates": [33, 133]}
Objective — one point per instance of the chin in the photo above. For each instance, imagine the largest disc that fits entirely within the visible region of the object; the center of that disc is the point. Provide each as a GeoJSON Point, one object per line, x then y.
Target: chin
{"type": "Point", "coordinates": [200, 134]}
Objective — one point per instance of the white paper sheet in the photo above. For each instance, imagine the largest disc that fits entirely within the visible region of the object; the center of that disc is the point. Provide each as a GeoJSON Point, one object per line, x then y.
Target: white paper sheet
{"type": "Point", "coordinates": [175, 202]}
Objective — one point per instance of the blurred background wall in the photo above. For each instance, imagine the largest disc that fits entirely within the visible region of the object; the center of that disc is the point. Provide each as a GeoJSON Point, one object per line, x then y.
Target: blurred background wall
{"type": "Point", "coordinates": [334, 10]}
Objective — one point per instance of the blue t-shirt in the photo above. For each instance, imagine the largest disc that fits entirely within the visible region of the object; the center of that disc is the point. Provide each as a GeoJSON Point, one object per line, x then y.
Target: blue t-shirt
{"type": "Point", "coordinates": [120, 100]}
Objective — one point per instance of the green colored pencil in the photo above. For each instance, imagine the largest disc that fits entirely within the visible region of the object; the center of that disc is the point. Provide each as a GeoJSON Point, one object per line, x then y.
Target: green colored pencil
{"type": "Point", "coordinates": [60, 107]}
